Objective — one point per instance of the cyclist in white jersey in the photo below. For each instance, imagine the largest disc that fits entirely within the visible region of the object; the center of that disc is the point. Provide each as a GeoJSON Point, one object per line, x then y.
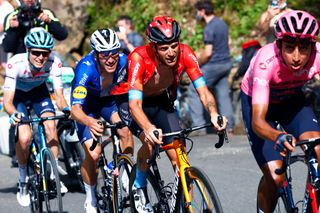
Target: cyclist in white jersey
{"type": "Point", "coordinates": [26, 74]}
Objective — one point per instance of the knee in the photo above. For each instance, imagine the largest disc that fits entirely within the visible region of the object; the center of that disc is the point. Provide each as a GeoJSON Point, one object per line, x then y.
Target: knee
{"type": "Point", "coordinates": [25, 140]}
{"type": "Point", "coordinates": [50, 128]}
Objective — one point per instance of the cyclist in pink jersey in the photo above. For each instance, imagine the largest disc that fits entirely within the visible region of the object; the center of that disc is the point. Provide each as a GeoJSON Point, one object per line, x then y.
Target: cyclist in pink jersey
{"type": "Point", "coordinates": [271, 94]}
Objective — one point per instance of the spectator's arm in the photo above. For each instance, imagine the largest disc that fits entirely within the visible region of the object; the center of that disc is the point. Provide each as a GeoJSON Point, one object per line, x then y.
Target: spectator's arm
{"type": "Point", "coordinates": [58, 31]}
{"type": "Point", "coordinates": [205, 55]}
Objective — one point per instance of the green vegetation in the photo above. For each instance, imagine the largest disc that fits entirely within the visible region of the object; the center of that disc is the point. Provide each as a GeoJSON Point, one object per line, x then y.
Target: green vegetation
{"type": "Point", "coordinates": [241, 15]}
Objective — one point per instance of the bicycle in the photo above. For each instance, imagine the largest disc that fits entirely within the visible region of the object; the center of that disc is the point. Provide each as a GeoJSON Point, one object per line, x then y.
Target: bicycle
{"type": "Point", "coordinates": [71, 149]}
{"type": "Point", "coordinates": [192, 190]}
{"type": "Point", "coordinates": [43, 176]}
{"type": "Point", "coordinates": [310, 201]}
{"type": "Point", "coordinates": [113, 195]}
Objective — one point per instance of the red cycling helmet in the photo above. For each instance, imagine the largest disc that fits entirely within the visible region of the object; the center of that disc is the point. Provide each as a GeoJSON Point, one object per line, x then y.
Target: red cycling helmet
{"type": "Point", "coordinates": [163, 29]}
{"type": "Point", "coordinates": [297, 24]}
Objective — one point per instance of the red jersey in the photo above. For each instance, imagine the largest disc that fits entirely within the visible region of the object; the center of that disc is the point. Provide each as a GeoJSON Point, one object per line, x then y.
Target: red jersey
{"type": "Point", "coordinates": [142, 67]}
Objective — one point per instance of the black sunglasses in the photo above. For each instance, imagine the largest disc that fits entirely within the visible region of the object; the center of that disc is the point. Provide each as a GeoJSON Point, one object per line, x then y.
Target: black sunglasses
{"type": "Point", "coordinates": [38, 53]}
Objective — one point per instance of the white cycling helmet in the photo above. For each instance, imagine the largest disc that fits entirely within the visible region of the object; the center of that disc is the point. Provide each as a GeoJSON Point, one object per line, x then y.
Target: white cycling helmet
{"type": "Point", "coordinates": [104, 40]}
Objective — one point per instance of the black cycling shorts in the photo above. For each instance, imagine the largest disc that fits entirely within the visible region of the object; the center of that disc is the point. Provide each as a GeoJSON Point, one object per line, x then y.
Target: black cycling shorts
{"type": "Point", "coordinates": [159, 110]}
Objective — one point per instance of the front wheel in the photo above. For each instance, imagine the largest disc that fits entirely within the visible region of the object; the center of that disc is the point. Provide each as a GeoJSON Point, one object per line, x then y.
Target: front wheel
{"type": "Point", "coordinates": [51, 183]}
{"type": "Point", "coordinates": [153, 190]}
{"type": "Point", "coordinates": [120, 186]}
{"type": "Point", "coordinates": [204, 197]}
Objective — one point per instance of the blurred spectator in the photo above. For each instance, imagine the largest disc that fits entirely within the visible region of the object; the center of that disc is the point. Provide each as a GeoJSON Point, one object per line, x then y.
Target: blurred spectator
{"type": "Point", "coordinates": [268, 18]}
{"type": "Point", "coordinates": [129, 39]}
{"type": "Point", "coordinates": [28, 15]}
{"type": "Point", "coordinates": [215, 64]}
{"type": "Point", "coordinates": [5, 9]}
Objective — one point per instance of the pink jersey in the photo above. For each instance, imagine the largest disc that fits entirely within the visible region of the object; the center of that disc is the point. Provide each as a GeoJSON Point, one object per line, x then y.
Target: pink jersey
{"type": "Point", "coordinates": [268, 79]}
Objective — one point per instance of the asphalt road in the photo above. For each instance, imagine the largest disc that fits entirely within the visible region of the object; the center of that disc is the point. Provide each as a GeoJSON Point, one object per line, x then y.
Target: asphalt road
{"type": "Point", "coordinates": [232, 170]}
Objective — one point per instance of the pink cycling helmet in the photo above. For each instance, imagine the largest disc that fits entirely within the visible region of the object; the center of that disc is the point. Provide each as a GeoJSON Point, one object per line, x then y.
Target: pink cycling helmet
{"type": "Point", "coordinates": [297, 24]}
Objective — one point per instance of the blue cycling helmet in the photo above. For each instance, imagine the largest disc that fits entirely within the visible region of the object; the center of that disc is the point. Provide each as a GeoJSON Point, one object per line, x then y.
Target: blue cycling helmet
{"type": "Point", "coordinates": [40, 39]}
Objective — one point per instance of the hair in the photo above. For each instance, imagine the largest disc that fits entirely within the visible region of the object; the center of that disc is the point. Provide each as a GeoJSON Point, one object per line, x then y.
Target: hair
{"type": "Point", "coordinates": [205, 5]}
{"type": "Point", "coordinates": [127, 18]}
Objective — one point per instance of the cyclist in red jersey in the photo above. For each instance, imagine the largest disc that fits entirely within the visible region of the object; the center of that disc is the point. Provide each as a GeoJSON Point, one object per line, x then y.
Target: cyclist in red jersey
{"type": "Point", "coordinates": [271, 93]}
{"type": "Point", "coordinates": [153, 75]}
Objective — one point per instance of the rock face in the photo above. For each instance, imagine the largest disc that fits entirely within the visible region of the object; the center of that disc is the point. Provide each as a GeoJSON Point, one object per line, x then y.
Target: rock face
{"type": "Point", "coordinates": [72, 13]}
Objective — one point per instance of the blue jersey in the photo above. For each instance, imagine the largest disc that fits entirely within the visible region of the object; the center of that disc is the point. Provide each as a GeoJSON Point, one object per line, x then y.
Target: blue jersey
{"type": "Point", "coordinates": [87, 82]}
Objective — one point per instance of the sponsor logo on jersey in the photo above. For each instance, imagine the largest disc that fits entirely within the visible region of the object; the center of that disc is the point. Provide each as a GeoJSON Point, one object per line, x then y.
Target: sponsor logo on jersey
{"type": "Point", "coordinates": [79, 92]}
{"type": "Point", "coordinates": [262, 66]}
{"type": "Point", "coordinates": [9, 66]}
{"type": "Point", "coordinates": [260, 81]}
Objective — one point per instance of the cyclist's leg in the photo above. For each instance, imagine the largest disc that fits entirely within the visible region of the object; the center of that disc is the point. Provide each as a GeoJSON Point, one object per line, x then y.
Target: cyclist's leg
{"type": "Point", "coordinates": [43, 107]}
{"type": "Point", "coordinates": [89, 165]}
{"type": "Point", "coordinates": [22, 147]}
{"type": "Point", "coordinates": [267, 158]}
{"type": "Point", "coordinates": [109, 112]}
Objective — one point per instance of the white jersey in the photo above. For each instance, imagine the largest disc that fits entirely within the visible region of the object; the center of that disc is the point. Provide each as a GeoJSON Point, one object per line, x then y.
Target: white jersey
{"type": "Point", "coordinates": [19, 75]}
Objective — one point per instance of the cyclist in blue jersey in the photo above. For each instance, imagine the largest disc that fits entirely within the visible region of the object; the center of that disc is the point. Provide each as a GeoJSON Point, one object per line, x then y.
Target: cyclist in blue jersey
{"type": "Point", "coordinates": [94, 76]}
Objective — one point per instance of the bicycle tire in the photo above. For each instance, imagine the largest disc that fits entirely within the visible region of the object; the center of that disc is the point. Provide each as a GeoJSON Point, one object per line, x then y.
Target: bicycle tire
{"type": "Point", "coordinates": [283, 205]}
{"type": "Point", "coordinates": [33, 184]}
{"type": "Point", "coordinates": [120, 185]}
{"type": "Point", "coordinates": [201, 187]}
{"type": "Point", "coordinates": [153, 191]}
{"type": "Point", "coordinates": [51, 187]}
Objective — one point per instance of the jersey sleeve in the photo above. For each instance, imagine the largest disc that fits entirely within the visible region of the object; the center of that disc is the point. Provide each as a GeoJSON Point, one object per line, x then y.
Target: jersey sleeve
{"type": "Point", "coordinates": [136, 69]}
{"type": "Point", "coordinates": [79, 88]}
{"type": "Point", "coordinates": [11, 76]}
{"type": "Point", "coordinates": [192, 67]}
{"type": "Point", "coordinates": [56, 73]}
{"type": "Point", "coordinates": [261, 75]}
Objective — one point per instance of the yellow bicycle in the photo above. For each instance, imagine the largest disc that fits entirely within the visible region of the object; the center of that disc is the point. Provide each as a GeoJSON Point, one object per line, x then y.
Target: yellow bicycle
{"type": "Point", "coordinates": [191, 191]}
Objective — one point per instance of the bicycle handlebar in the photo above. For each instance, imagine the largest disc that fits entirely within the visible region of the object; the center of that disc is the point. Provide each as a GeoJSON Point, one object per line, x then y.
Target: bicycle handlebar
{"type": "Point", "coordinates": [184, 132]}
{"type": "Point", "coordinates": [39, 120]}
{"type": "Point", "coordinates": [286, 160]}
{"type": "Point", "coordinates": [105, 125]}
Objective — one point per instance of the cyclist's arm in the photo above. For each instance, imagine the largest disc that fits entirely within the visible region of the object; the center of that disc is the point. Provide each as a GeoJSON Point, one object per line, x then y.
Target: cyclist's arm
{"type": "Point", "coordinates": [259, 124]}
{"type": "Point", "coordinates": [8, 97]}
{"type": "Point", "coordinates": [60, 100]}
{"type": "Point", "coordinates": [80, 116]}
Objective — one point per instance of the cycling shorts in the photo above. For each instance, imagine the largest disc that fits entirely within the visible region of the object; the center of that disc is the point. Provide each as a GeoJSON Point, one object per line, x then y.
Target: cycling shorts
{"type": "Point", "coordinates": [295, 116]}
{"type": "Point", "coordinates": [38, 99]}
{"type": "Point", "coordinates": [159, 110]}
{"type": "Point", "coordinates": [96, 107]}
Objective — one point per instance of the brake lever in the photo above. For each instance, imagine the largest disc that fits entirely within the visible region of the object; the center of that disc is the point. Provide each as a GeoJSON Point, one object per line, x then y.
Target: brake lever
{"type": "Point", "coordinates": [222, 135]}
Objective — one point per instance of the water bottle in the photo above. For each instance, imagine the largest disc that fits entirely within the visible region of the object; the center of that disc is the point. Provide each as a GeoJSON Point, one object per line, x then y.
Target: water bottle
{"type": "Point", "coordinates": [314, 171]}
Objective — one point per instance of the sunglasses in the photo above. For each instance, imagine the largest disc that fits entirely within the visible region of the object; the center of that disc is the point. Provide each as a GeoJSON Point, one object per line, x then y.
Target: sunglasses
{"type": "Point", "coordinates": [302, 39]}
{"type": "Point", "coordinates": [107, 54]}
{"type": "Point", "coordinates": [37, 53]}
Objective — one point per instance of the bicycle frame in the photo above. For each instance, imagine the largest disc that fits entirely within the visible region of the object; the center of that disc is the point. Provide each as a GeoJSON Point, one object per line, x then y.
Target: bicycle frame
{"type": "Point", "coordinates": [182, 165]}
{"type": "Point", "coordinates": [43, 140]}
{"type": "Point", "coordinates": [310, 199]}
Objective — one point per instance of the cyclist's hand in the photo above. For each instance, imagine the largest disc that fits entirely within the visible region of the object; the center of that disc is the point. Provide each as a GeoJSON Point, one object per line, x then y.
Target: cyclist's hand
{"type": "Point", "coordinates": [151, 138]}
{"type": "Point", "coordinates": [96, 129]}
{"type": "Point", "coordinates": [284, 143]}
{"type": "Point", "coordinates": [66, 111]}
{"type": "Point", "coordinates": [214, 121]}
{"type": "Point", "coordinates": [15, 118]}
